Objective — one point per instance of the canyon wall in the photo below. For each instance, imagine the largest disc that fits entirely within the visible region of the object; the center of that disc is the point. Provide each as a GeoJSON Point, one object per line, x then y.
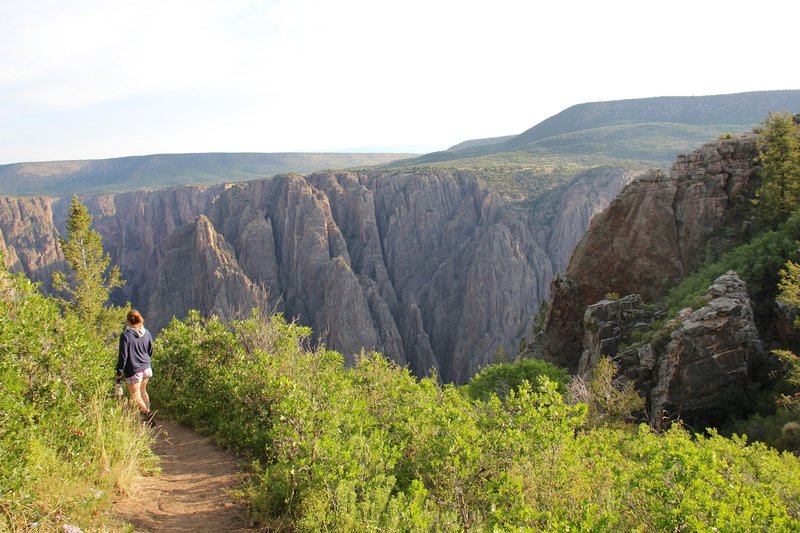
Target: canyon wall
{"type": "Point", "coordinates": [702, 365]}
{"type": "Point", "coordinates": [649, 238]}
{"type": "Point", "coordinates": [429, 268]}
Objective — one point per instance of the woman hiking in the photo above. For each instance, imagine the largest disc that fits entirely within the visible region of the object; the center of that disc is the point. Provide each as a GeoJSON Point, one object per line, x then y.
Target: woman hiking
{"type": "Point", "coordinates": [133, 363]}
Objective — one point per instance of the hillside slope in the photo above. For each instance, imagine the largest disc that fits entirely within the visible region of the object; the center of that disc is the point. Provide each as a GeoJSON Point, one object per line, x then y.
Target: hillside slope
{"type": "Point", "coordinates": [701, 359]}
{"type": "Point", "coordinates": [167, 170]}
{"type": "Point", "coordinates": [650, 130]}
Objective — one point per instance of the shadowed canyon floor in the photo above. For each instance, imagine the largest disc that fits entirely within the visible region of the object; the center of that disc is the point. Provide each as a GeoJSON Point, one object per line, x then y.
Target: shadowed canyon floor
{"type": "Point", "coordinates": [190, 494]}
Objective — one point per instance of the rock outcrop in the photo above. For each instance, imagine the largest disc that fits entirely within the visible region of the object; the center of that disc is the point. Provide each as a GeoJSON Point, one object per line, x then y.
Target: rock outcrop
{"type": "Point", "coordinates": [606, 324]}
{"type": "Point", "coordinates": [200, 271]}
{"type": "Point", "coordinates": [697, 368]}
{"type": "Point", "coordinates": [704, 373]}
{"type": "Point", "coordinates": [650, 237]}
{"type": "Point", "coordinates": [28, 238]}
{"type": "Point", "coordinates": [429, 268]}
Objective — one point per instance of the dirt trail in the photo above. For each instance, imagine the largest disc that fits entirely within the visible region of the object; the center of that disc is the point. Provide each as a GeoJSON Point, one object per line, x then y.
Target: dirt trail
{"type": "Point", "coordinates": [189, 494]}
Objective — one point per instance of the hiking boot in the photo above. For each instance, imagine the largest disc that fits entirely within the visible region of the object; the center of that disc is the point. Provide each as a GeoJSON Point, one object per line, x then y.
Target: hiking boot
{"type": "Point", "coordinates": [148, 419]}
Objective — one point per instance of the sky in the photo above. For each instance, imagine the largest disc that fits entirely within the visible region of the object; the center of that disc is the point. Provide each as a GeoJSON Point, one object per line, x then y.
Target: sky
{"type": "Point", "coordinates": [92, 79]}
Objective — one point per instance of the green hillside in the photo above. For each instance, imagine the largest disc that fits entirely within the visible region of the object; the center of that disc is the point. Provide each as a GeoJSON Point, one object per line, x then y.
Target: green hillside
{"type": "Point", "coordinates": [622, 133]}
{"type": "Point", "coordinates": [166, 170]}
{"type": "Point", "coordinates": [743, 109]}
{"type": "Point", "coordinates": [652, 130]}
{"type": "Point", "coordinates": [647, 132]}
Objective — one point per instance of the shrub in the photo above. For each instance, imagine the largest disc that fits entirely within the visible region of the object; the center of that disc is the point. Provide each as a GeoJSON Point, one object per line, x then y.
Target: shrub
{"type": "Point", "coordinates": [501, 379]}
{"type": "Point", "coordinates": [609, 399]}
{"type": "Point", "coordinates": [372, 448]}
{"type": "Point", "coordinates": [64, 449]}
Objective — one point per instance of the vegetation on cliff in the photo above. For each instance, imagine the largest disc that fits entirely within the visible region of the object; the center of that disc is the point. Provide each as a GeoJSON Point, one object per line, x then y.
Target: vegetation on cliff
{"type": "Point", "coordinates": [779, 193]}
{"type": "Point", "coordinates": [373, 448]}
{"type": "Point", "coordinates": [764, 259]}
{"type": "Point", "coordinates": [65, 447]}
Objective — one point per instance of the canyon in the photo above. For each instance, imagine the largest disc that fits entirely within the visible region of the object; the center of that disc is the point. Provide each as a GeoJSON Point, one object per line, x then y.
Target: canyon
{"type": "Point", "coordinates": [429, 268]}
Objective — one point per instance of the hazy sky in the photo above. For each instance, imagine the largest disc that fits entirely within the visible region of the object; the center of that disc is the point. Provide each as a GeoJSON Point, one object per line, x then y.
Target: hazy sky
{"type": "Point", "coordinates": [95, 79]}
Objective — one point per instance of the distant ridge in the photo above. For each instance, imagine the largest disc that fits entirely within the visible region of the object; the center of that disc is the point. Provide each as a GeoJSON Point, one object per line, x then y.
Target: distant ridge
{"type": "Point", "coordinates": [650, 130]}
{"type": "Point", "coordinates": [480, 142]}
{"type": "Point", "coordinates": [647, 132]}
{"type": "Point", "coordinates": [745, 109]}
{"type": "Point", "coordinates": [168, 170]}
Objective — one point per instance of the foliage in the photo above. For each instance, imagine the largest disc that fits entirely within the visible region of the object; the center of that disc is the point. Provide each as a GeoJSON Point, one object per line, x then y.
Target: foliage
{"type": "Point", "coordinates": [501, 379]}
{"type": "Point", "coordinates": [64, 449]}
{"type": "Point", "coordinates": [540, 317]}
{"type": "Point", "coordinates": [779, 155]}
{"type": "Point", "coordinates": [371, 448]}
{"type": "Point", "coordinates": [789, 284]}
{"type": "Point", "coordinates": [90, 281]}
{"type": "Point", "coordinates": [609, 399]}
{"type": "Point", "coordinates": [789, 287]}
{"type": "Point", "coordinates": [757, 263]}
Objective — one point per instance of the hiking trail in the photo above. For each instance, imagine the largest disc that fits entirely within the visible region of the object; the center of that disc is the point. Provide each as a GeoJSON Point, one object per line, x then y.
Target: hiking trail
{"type": "Point", "coordinates": [190, 493]}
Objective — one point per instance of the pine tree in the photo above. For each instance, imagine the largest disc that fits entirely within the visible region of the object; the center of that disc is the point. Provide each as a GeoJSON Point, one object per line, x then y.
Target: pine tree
{"type": "Point", "coordinates": [89, 282]}
{"type": "Point", "coordinates": [779, 155]}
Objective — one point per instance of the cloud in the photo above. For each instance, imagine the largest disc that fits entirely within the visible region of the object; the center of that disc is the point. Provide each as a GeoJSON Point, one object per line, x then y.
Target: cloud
{"type": "Point", "coordinates": [306, 74]}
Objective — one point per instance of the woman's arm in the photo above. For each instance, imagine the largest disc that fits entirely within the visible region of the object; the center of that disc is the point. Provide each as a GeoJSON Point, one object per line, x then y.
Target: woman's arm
{"type": "Point", "coordinates": [122, 358]}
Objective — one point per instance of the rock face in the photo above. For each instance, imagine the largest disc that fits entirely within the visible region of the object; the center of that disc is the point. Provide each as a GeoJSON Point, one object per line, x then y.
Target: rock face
{"type": "Point", "coordinates": [431, 269]}
{"type": "Point", "coordinates": [650, 237]}
{"type": "Point", "coordinates": [698, 368]}
{"type": "Point", "coordinates": [704, 373]}
{"type": "Point", "coordinates": [606, 324]}
{"type": "Point", "coordinates": [199, 271]}
{"type": "Point", "coordinates": [28, 239]}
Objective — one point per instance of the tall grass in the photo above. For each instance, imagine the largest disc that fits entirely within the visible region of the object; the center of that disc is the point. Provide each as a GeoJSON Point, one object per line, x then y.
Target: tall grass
{"type": "Point", "coordinates": [65, 449]}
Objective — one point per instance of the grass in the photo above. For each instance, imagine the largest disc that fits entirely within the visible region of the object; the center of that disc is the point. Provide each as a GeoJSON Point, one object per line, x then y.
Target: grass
{"type": "Point", "coordinates": [80, 492]}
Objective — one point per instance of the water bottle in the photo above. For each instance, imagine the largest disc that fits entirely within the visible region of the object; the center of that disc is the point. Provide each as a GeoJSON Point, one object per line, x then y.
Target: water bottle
{"type": "Point", "coordinates": [118, 390]}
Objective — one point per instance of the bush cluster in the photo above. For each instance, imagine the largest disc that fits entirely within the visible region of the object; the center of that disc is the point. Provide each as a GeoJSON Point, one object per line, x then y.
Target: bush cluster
{"type": "Point", "coordinates": [372, 448]}
{"type": "Point", "coordinates": [64, 448]}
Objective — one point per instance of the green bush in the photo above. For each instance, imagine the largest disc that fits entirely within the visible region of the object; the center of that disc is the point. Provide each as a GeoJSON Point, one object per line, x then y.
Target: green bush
{"type": "Point", "coordinates": [501, 379]}
{"type": "Point", "coordinates": [372, 448]}
{"type": "Point", "coordinates": [64, 449]}
{"type": "Point", "coordinates": [757, 263]}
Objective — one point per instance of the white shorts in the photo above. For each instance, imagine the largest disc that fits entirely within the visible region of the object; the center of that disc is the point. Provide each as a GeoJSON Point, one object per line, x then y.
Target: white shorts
{"type": "Point", "coordinates": [140, 376]}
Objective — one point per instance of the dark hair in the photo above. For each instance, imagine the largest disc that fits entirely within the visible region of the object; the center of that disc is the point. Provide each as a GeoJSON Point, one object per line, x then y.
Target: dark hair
{"type": "Point", "coordinates": [134, 318]}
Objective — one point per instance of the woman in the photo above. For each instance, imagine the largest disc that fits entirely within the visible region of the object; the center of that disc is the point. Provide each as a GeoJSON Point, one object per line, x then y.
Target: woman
{"type": "Point", "coordinates": [133, 363]}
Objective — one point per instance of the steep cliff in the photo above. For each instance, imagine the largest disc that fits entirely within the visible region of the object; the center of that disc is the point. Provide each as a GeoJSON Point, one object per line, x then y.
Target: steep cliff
{"type": "Point", "coordinates": [704, 373]}
{"type": "Point", "coordinates": [28, 238]}
{"type": "Point", "coordinates": [429, 268]}
{"type": "Point", "coordinates": [650, 237]}
{"type": "Point", "coordinates": [698, 367]}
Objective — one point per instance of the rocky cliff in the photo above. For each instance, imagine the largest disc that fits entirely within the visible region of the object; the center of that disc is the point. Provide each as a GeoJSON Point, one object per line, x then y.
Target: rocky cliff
{"type": "Point", "coordinates": [28, 239]}
{"type": "Point", "coordinates": [705, 371]}
{"type": "Point", "coordinates": [650, 237]}
{"type": "Point", "coordinates": [429, 268]}
{"type": "Point", "coordinates": [700, 366]}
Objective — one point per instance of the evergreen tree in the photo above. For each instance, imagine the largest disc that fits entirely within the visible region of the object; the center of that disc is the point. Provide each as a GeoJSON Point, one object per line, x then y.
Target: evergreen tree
{"type": "Point", "coordinates": [789, 287]}
{"type": "Point", "coordinates": [779, 155]}
{"type": "Point", "coordinates": [89, 282]}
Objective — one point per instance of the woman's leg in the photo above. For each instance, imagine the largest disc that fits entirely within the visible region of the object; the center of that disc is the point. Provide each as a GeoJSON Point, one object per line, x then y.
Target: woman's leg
{"type": "Point", "coordinates": [135, 391]}
{"type": "Point", "coordinates": [143, 393]}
